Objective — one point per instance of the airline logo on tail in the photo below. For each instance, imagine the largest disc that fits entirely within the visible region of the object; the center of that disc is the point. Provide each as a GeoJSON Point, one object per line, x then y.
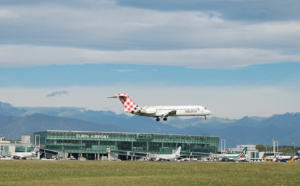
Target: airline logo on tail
{"type": "Point", "coordinates": [243, 153]}
{"type": "Point", "coordinates": [127, 102]}
{"type": "Point", "coordinates": [35, 149]}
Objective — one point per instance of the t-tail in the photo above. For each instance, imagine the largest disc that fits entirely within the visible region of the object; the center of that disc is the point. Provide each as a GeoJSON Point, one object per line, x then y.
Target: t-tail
{"type": "Point", "coordinates": [243, 153]}
{"type": "Point", "coordinates": [126, 101]}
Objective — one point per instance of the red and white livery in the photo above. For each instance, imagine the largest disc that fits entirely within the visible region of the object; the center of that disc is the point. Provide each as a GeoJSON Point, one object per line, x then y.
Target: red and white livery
{"type": "Point", "coordinates": [161, 111]}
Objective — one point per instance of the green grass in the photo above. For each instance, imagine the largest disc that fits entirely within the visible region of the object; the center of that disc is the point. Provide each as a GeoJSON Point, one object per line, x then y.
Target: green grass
{"type": "Point", "coordinates": [147, 173]}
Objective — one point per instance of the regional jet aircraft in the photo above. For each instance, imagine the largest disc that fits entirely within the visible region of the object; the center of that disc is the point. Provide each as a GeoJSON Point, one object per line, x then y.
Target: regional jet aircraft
{"type": "Point", "coordinates": [161, 111]}
{"type": "Point", "coordinates": [167, 157]}
{"type": "Point", "coordinates": [234, 157]}
{"type": "Point", "coordinates": [283, 158]}
{"type": "Point", "coordinates": [24, 155]}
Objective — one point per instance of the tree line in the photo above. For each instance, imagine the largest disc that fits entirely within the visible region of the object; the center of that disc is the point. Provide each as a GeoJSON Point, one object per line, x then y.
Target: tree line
{"type": "Point", "coordinates": [284, 148]}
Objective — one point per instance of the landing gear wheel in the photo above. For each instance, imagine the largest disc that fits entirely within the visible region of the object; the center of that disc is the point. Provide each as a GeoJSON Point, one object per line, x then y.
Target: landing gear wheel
{"type": "Point", "coordinates": [165, 119]}
{"type": "Point", "coordinates": [157, 119]}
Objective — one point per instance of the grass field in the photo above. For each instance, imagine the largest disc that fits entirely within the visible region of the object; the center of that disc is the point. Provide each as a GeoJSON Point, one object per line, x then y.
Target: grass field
{"type": "Point", "coordinates": [147, 173]}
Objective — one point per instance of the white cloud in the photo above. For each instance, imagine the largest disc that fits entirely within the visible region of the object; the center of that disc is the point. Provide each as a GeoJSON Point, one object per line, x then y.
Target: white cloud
{"type": "Point", "coordinates": [106, 25]}
{"type": "Point", "coordinates": [27, 55]}
{"type": "Point", "coordinates": [104, 32]}
{"type": "Point", "coordinates": [231, 102]}
{"type": "Point", "coordinates": [57, 93]}
{"type": "Point", "coordinates": [6, 14]}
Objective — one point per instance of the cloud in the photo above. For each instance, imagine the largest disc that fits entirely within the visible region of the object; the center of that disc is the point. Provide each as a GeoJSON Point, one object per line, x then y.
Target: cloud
{"type": "Point", "coordinates": [241, 10]}
{"type": "Point", "coordinates": [107, 32]}
{"type": "Point", "coordinates": [109, 26]}
{"type": "Point", "coordinates": [230, 102]}
{"type": "Point", "coordinates": [27, 55]}
{"type": "Point", "coordinates": [4, 14]}
{"type": "Point", "coordinates": [57, 93]}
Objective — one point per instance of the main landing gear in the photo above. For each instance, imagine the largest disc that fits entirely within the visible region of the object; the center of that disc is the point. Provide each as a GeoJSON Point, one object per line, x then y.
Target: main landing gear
{"type": "Point", "coordinates": [158, 119]}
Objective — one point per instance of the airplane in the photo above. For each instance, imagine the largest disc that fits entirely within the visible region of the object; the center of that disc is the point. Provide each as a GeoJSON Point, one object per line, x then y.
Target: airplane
{"type": "Point", "coordinates": [296, 157]}
{"type": "Point", "coordinates": [281, 158]}
{"type": "Point", "coordinates": [234, 157]}
{"type": "Point", "coordinates": [161, 111]}
{"type": "Point", "coordinates": [167, 157]}
{"type": "Point", "coordinates": [24, 155]}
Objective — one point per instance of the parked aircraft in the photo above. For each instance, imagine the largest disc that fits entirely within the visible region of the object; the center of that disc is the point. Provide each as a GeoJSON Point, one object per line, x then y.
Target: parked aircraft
{"type": "Point", "coordinates": [24, 155]}
{"type": "Point", "coordinates": [161, 111]}
{"type": "Point", "coordinates": [296, 157]}
{"type": "Point", "coordinates": [281, 158]}
{"type": "Point", "coordinates": [234, 157]}
{"type": "Point", "coordinates": [167, 157]}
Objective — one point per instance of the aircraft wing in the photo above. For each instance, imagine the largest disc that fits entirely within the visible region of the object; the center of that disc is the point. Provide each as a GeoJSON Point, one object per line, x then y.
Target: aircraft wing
{"type": "Point", "coordinates": [169, 113]}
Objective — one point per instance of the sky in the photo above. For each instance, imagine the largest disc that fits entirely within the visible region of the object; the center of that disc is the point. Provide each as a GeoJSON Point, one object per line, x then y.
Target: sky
{"type": "Point", "coordinates": [236, 57]}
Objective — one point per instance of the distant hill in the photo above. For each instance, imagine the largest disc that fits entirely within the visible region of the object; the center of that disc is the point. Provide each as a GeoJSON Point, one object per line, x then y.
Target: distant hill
{"type": "Point", "coordinates": [248, 130]}
{"type": "Point", "coordinates": [15, 126]}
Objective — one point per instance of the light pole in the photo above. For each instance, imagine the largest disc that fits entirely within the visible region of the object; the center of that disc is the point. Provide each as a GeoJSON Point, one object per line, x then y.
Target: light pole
{"type": "Point", "coordinates": [38, 156]}
{"type": "Point", "coordinates": [274, 146]}
{"type": "Point", "coordinates": [223, 146]}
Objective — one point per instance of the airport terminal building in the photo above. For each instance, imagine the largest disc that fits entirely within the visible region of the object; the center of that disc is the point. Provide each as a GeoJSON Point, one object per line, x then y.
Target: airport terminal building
{"type": "Point", "coordinates": [95, 145]}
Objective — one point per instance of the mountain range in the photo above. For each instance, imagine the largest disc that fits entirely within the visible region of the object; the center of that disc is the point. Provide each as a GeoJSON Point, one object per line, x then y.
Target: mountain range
{"type": "Point", "coordinates": [17, 121]}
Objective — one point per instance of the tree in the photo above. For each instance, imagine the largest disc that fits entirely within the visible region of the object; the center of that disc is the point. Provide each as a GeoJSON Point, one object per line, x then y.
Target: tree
{"type": "Point", "coordinates": [261, 148]}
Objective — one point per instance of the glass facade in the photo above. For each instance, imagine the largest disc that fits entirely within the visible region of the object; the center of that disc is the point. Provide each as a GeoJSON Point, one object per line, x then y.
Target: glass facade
{"type": "Point", "coordinates": [98, 142]}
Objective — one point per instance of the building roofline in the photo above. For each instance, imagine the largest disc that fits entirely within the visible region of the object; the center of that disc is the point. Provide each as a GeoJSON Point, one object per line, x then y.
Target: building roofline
{"type": "Point", "coordinates": [126, 133]}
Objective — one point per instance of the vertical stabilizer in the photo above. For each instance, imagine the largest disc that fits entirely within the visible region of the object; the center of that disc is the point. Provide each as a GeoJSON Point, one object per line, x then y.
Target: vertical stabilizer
{"type": "Point", "coordinates": [243, 153]}
{"type": "Point", "coordinates": [127, 102]}
{"type": "Point", "coordinates": [177, 153]}
{"type": "Point", "coordinates": [35, 149]}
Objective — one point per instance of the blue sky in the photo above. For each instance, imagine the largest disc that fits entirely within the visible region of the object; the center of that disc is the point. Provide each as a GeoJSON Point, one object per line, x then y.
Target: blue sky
{"type": "Point", "coordinates": [238, 58]}
{"type": "Point", "coordinates": [106, 74]}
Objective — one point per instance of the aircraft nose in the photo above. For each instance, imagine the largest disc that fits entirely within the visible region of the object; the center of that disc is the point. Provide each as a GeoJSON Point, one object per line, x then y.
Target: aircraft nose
{"type": "Point", "coordinates": [208, 112]}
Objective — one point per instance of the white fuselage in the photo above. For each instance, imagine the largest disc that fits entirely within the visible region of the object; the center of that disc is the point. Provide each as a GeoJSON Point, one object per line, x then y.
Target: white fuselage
{"type": "Point", "coordinates": [160, 111]}
{"type": "Point", "coordinates": [231, 156]}
{"type": "Point", "coordinates": [281, 158]}
{"type": "Point", "coordinates": [23, 154]}
{"type": "Point", "coordinates": [167, 157]}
